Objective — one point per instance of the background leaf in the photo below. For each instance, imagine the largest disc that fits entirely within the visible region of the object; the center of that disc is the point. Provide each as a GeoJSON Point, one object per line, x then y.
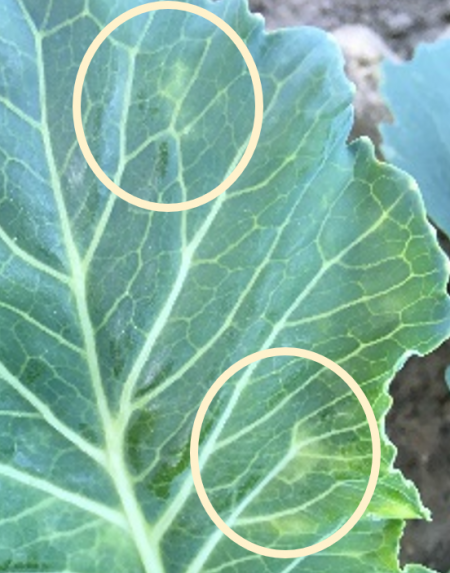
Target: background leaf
{"type": "Point", "coordinates": [115, 321]}
{"type": "Point", "coordinates": [419, 96]}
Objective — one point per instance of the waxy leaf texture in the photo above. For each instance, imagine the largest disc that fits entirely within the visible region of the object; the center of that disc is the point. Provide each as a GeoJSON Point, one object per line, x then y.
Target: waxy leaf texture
{"type": "Point", "coordinates": [115, 321]}
{"type": "Point", "coordinates": [418, 93]}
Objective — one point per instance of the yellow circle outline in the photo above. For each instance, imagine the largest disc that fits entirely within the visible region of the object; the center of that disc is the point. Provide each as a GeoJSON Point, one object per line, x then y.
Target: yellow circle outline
{"type": "Point", "coordinates": [257, 124]}
{"type": "Point", "coordinates": [376, 454]}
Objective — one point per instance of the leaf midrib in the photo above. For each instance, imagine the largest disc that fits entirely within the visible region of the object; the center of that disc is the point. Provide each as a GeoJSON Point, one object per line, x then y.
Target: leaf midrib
{"type": "Point", "coordinates": [113, 439]}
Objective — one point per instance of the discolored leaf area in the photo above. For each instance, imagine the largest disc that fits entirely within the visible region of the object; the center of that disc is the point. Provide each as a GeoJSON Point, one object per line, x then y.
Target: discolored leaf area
{"type": "Point", "coordinates": [115, 321]}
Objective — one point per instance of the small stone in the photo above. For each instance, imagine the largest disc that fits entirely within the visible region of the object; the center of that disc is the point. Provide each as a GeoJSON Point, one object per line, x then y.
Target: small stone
{"type": "Point", "coordinates": [400, 24]}
{"type": "Point", "coordinates": [446, 8]}
{"type": "Point", "coordinates": [445, 34]}
{"type": "Point", "coordinates": [364, 51]}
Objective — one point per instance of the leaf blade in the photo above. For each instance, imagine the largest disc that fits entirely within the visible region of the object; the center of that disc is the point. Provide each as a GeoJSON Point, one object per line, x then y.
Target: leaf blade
{"type": "Point", "coordinates": [139, 299]}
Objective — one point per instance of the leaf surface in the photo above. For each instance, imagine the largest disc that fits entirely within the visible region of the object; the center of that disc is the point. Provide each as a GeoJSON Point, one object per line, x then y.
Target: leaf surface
{"type": "Point", "coordinates": [115, 321]}
{"type": "Point", "coordinates": [419, 96]}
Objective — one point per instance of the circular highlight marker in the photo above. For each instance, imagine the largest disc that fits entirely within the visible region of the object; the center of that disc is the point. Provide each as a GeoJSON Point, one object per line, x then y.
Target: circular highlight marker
{"type": "Point", "coordinates": [257, 89]}
{"type": "Point", "coordinates": [376, 454]}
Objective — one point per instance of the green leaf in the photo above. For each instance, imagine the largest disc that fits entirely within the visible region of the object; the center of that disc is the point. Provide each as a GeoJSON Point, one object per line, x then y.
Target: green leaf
{"type": "Point", "coordinates": [417, 569]}
{"type": "Point", "coordinates": [418, 93]}
{"type": "Point", "coordinates": [115, 321]}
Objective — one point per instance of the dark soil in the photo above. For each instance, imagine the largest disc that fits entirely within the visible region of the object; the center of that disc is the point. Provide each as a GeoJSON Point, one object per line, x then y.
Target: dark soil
{"type": "Point", "coordinates": [419, 423]}
{"type": "Point", "coordinates": [402, 23]}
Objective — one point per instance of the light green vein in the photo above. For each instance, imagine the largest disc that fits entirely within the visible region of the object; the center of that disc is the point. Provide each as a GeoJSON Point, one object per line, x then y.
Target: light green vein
{"type": "Point", "coordinates": [126, 402]}
{"type": "Point", "coordinates": [46, 503]}
{"type": "Point", "coordinates": [27, 318]}
{"type": "Point", "coordinates": [57, 536]}
{"type": "Point", "coordinates": [266, 418]}
{"type": "Point", "coordinates": [209, 546]}
{"type": "Point", "coordinates": [126, 405]}
{"type": "Point", "coordinates": [19, 113]}
{"type": "Point", "coordinates": [114, 450]}
{"type": "Point", "coordinates": [81, 502]}
{"type": "Point", "coordinates": [30, 260]}
{"type": "Point", "coordinates": [19, 415]}
{"type": "Point", "coordinates": [257, 273]}
{"type": "Point", "coordinates": [159, 324]}
{"type": "Point", "coordinates": [49, 417]}
{"type": "Point", "coordinates": [48, 11]}
{"type": "Point", "coordinates": [47, 33]}
{"type": "Point", "coordinates": [291, 510]}
{"type": "Point", "coordinates": [209, 446]}
{"type": "Point", "coordinates": [123, 159]}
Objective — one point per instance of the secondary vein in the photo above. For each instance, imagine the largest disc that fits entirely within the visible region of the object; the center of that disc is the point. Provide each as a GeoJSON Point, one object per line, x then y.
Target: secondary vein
{"type": "Point", "coordinates": [49, 417]}
{"type": "Point", "coordinates": [115, 456]}
{"type": "Point", "coordinates": [81, 502]}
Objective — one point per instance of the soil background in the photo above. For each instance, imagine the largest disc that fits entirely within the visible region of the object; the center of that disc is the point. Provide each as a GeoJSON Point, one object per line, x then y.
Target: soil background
{"type": "Point", "coordinates": [419, 423]}
{"type": "Point", "coordinates": [402, 23]}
